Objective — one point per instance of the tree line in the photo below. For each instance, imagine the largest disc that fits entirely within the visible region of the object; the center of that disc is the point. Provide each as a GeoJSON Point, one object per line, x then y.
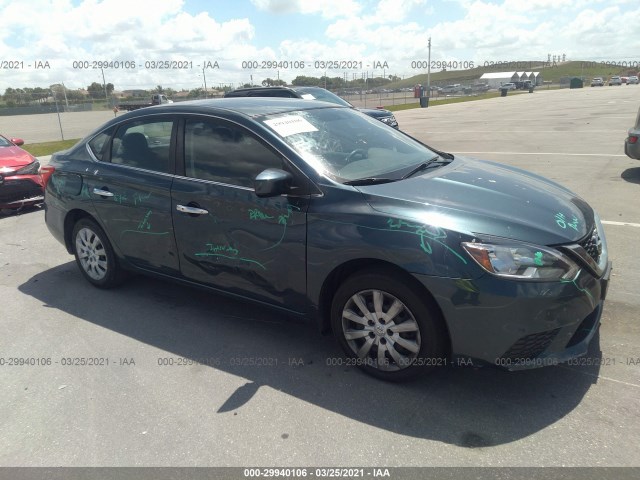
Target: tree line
{"type": "Point", "coordinates": [97, 91]}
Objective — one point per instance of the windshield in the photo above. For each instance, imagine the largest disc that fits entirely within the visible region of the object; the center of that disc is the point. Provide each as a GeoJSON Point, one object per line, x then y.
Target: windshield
{"type": "Point", "coordinates": [347, 145]}
{"type": "Point", "coordinates": [311, 93]}
{"type": "Point", "coordinates": [4, 142]}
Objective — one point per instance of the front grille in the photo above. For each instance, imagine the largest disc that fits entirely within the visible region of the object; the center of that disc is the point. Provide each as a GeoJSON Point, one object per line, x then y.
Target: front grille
{"type": "Point", "coordinates": [531, 346]}
{"type": "Point", "coordinates": [593, 245]}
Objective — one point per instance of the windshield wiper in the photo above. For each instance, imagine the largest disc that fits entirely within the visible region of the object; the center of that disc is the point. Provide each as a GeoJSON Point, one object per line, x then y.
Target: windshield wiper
{"type": "Point", "coordinates": [434, 162]}
{"type": "Point", "coordinates": [369, 181]}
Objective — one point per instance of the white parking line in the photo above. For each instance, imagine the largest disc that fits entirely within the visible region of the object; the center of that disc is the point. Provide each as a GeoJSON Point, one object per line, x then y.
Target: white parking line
{"type": "Point", "coordinates": [599, 376]}
{"type": "Point", "coordinates": [622, 224]}
{"type": "Point", "coordinates": [551, 153]}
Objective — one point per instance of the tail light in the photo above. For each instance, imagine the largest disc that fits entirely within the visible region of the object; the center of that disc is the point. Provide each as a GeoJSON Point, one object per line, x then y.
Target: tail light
{"type": "Point", "coordinates": [46, 172]}
{"type": "Point", "coordinates": [632, 139]}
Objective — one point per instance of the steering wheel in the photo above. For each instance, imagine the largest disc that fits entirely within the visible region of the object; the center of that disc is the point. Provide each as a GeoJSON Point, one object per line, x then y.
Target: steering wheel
{"type": "Point", "coordinates": [358, 151]}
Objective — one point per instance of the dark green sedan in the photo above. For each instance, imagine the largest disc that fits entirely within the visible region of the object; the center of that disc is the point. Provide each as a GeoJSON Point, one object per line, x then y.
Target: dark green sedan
{"type": "Point", "coordinates": [410, 256]}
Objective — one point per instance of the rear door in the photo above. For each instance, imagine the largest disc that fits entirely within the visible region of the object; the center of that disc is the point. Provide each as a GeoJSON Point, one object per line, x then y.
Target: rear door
{"type": "Point", "coordinates": [227, 236]}
{"type": "Point", "coordinates": [131, 191]}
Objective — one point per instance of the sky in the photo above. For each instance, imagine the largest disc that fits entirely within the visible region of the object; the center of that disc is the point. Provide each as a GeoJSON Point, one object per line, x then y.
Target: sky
{"type": "Point", "coordinates": [222, 42]}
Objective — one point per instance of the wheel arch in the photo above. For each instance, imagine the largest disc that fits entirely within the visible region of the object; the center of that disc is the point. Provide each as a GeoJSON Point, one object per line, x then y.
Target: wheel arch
{"type": "Point", "coordinates": [352, 267]}
{"type": "Point", "coordinates": [72, 217]}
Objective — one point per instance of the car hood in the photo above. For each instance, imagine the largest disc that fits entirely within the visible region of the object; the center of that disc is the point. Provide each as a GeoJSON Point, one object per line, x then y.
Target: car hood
{"type": "Point", "coordinates": [486, 199]}
{"type": "Point", "coordinates": [14, 157]}
{"type": "Point", "coordinates": [376, 112]}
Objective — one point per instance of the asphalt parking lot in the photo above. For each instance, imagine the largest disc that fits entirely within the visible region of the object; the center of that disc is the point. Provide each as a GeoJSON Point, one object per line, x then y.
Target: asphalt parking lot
{"type": "Point", "coordinates": [269, 390]}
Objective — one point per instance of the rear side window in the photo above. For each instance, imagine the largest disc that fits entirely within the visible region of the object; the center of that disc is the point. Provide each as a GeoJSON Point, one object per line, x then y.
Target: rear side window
{"type": "Point", "coordinates": [143, 144]}
{"type": "Point", "coordinates": [100, 144]}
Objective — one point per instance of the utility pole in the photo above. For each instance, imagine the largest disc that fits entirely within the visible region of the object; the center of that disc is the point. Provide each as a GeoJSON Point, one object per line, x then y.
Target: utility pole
{"type": "Point", "coordinates": [204, 78]}
{"type": "Point", "coordinates": [104, 85]}
{"type": "Point", "coordinates": [58, 112]}
{"type": "Point", "coordinates": [64, 90]}
{"type": "Point", "coordinates": [429, 71]}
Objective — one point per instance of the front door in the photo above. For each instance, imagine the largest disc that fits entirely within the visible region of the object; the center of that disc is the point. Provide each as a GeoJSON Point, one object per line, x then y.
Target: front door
{"type": "Point", "coordinates": [227, 236]}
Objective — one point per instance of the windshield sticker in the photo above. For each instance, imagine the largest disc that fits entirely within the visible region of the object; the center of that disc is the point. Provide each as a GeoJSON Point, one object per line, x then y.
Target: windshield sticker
{"type": "Point", "coordinates": [563, 222]}
{"type": "Point", "coordinates": [308, 96]}
{"type": "Point", "coordinates": [290, 125]}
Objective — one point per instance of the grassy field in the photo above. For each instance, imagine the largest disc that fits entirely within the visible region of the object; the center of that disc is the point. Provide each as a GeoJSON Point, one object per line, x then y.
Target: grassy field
{"type": "Point", "coordinates": [551, 73]}
{"type": "Point", "coordinates": [434, 102]}
{"type": "Point", "coordinates": [47, 148]}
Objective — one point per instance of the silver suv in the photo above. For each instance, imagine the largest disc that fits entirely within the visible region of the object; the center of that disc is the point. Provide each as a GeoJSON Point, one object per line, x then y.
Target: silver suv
{"type": "Point", "coordinates": [615, 81]}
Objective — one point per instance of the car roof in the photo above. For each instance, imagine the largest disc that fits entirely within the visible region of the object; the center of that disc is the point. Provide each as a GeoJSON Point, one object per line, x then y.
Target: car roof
{"type": "Point", "coordinates": [249, 106]}
{"type": "Point", "coordinates": [247, 91]}
{"type": "Point", "coordinates": [242, 106]}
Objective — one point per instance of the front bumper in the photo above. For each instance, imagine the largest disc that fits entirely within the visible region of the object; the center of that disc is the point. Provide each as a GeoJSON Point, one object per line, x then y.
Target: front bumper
{"type": "Point", "coordinates": [520, 325]}
{"type": "Point", "coordinates": [21, 190]}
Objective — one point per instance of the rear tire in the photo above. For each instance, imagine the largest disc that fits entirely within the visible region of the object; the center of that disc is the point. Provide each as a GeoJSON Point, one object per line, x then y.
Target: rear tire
{"type": "Point", "coordinates": [95, 256]}
{"type": "Point", "coordinates": [386, 327]}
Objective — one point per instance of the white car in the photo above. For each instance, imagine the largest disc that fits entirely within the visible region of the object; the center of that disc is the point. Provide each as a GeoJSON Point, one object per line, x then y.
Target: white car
{"type": "Point", "coordinates": [632, 79]}
{"type": "Point", "coordinates": [455, 88]}
{"type": "Point", "coordinates": [508, 86]}
{"type": "Point", "coordinates": [615, 81]}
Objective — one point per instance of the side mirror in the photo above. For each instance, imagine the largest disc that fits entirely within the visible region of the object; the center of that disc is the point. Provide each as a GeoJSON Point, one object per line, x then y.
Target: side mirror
{"type": "Point", "coordinates": [17, 141]}
{"type": "Point", "coordinates": [272, 182]}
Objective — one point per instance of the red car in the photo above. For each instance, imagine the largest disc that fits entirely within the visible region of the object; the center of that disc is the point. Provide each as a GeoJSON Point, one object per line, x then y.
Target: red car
{"type": "Point", "coordinates": [20, 183]}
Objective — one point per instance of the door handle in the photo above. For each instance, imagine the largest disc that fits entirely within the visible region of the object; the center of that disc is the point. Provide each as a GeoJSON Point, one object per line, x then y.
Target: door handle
{"type": "Point", "coordinates": [191, 210]}
{"type": "Point", "coordinates": [102, 193]}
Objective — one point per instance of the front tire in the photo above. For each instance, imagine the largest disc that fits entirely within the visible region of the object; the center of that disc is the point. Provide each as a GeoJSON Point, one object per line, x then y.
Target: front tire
{"type": "Point", "coordinates": [95, 256]}
{"type": "Point", "coordinates": [386, 327]}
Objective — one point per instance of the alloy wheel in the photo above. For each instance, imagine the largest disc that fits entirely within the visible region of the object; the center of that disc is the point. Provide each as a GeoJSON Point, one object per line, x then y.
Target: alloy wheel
{"type": "Point", "coordinates": [91, 253]}
{"type": "Point", "coordinates": [381, 330]}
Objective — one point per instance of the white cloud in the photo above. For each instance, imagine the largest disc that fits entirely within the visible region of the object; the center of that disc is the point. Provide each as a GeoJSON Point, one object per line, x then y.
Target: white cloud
{"type": "Point", "coordinates": [326, 8]}
{"type": "Point", "coordinates": [395, 31]}
{"type": "Point", "coordinates": [62, 33]}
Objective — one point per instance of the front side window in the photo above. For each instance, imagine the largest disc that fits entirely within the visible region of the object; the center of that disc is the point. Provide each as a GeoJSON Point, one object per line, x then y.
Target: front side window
{"type": "Point", "coordinates": [143, 144]}
{"type": "Point", "coordinates": [224, 152]}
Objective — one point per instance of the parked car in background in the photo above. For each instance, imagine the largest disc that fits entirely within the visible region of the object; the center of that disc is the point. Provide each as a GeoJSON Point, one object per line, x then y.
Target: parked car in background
{"type": "Point", "coordinates": [409, 255]}
{"type": "Point", "coordinates": [632, 80]}
{"type": "Point", "coordinates": [597, 82]}
{"type": "Point", "coordinates": [312, 93]}
{"type": "Point", "coordinates": [455, 88]}
{"type": "Point", "coordinates": [508, 86]}
{"type": "Point", "coordinates": [632, 142]}
{"type": "Point", "coordinates": [479, 87]}
{"type": "Point", "coordinates": [20, 182]}
{"type": "Point", "coordinates": [615, 80]}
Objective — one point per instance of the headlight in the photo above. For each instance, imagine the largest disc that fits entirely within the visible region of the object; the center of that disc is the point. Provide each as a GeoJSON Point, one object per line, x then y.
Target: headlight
{"type": "Point", "coordinates": [522, 261]}
{"type": "Point", "coordinates": [31, 169]}
{"type": "Point", "coordinates": [388, 120]}
{"type": "Point", "coordinates": [602, 248]}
